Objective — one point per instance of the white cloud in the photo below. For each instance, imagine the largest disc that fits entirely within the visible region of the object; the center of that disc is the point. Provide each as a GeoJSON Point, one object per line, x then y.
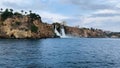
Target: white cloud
{"type": "Point", "coordinates": [107, 11]}
{"type": "Point", "coordinates": [115, 3]}
{"type": "Point", "coordinates": [12, 1]}
{"type": "Point", "coordinates": [96, 20]}
{"type": "Point", "coordinates": [105, 23]}
{"type": "Point", "coordinates": [53, 17]}
{"type": "Point", "coordinates": [18, 2]}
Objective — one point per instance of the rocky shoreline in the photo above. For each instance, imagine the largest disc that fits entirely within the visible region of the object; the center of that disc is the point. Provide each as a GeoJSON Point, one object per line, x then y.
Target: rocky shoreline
{"type": "Point", "coordinates": [30, 26]}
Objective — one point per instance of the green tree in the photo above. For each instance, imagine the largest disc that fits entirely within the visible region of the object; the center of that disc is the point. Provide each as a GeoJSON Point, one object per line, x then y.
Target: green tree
{"type": "Point", "coordinates": [11, 10]}
{"type": "Point", "coordinates": [1, 9]}
{"type": "Point", "coordinates": [22, 11]}
{"type": "Point", "coordinates": [30, 11]}
{"type": "Point", "coordinates": [6, 14]}
{"type": "Point", "coordinates": [25, 12]}
{"type": "Point", "coordinates": [18, 14]}
{"type": "Point", "coordinates": [34, 16]}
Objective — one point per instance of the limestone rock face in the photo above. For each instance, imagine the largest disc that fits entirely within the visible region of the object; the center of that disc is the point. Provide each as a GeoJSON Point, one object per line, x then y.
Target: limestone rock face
{"type": "Point", "coordinates": [23, 27]}
{"type": "Point", "coordinates": [84, 32]}
{"type": "Point", "coordinates": [44, 30]}
{"type": "Point", "coordinates": [73, 31]}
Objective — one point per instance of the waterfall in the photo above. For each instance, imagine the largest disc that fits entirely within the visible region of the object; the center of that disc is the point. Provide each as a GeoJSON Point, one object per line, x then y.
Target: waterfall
{"type": "Point", "coordinates": [57, 33]}
{"type": "Point", "coordinates": [62, 34]}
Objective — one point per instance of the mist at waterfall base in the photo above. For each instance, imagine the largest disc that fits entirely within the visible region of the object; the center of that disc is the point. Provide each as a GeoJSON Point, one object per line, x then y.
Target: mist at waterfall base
{"type": "Point", "coordinates": [62, 34]}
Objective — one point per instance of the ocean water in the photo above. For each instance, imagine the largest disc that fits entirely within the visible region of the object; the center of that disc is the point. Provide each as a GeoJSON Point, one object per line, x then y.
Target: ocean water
{"type": "Point", "coordinates": [60, 53]}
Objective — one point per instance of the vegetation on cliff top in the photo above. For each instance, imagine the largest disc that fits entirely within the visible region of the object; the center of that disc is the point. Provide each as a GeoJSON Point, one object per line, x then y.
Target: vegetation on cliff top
{"type": "Point", "coordinates": [8, 13]}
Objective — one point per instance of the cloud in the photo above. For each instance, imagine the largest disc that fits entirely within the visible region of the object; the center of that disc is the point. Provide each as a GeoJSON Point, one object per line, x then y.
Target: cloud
{"type": "Point", "coordinates": [106, 19]}
{"type": "Point", "coordinates": [101, 19]}
{"type": "Point", "coordinates": [105, 23]}
{"type": "Point", "coordinates": [89, 4]}
{"type": "Point", "coordinates": [53, 17]}
{"type": "Point", "coordinates": [25, 4]}
{"type": "Point", "coordinates": [106, 11]}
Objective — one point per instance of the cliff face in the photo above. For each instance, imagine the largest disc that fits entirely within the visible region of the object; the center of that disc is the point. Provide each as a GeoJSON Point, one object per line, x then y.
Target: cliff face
{"type": "Point", "coordinates": [85, 32]}
{"type": "Point", "coordinates": [25, 27]}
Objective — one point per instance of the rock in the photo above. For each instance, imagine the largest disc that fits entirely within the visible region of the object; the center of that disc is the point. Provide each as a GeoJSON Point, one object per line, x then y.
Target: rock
{"type": "Point", "coordinates": [20, 27]}
{"type": "Point", "coordinates": [84, 32]}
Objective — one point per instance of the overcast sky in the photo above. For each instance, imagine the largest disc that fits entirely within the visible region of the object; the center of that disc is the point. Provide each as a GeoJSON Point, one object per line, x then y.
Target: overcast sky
{"type": "Point", "coordinates": [101, 14]}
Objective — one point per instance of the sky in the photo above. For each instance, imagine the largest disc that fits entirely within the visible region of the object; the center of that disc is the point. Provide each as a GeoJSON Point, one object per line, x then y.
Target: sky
{"type": "Point", "coordinates": [100, 14]}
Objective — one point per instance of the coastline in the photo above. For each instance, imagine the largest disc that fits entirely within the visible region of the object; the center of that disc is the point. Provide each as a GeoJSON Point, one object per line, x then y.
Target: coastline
{"type": "Point", "coordinates": [15, 25]}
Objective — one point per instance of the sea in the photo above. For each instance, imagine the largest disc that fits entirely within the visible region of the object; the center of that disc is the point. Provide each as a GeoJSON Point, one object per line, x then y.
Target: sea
{"type": "Point", "coordinates": [60, 53]}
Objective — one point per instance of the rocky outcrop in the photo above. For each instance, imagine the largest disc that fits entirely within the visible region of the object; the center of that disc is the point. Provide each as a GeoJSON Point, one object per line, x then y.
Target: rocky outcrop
{"type": "Point", "coordinates": [24, 27]}
{"type": "Point", "coordinates": [85, 32]}
{"type": "Point", "coordinates": [90, 33]}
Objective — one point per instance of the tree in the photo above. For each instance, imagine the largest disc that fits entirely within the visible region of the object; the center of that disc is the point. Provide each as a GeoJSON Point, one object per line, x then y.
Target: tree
{"type": "Point", "coordinates": [6, 14]}
{"type": "Point", "coordinates": [38, 16]}
{"type": "Point", "coordinates": [18, 14]}
{"type": "Point", "coordinates": [1, 9]}
{"type": "Point", "coordinates": [30, 11]}
{"type": "Point", "coordinates": [11, 10]}
{"type": "Point", "coordinates": [22, 11]}
{"type": "Point", "coordinates": [25, 12]}
{"type": "Point", "coordinates": [34, 16]}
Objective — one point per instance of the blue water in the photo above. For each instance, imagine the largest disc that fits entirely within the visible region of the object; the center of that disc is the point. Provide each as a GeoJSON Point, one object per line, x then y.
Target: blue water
{"type": "Point", "coordinates": [60, 53]}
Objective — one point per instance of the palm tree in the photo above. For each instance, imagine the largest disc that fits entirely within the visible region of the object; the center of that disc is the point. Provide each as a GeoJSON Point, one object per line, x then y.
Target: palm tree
{"type": "Point", "coordinates": [1, 9]}
{"type": "Point", "coordinates": [38, 17]}
{"type": "Point", "coordinates": [30, 11]}
{"type": "Point", "coordinates": [22, 11]}
{"type": "Point", "coordinates": [11, 10]}
{"type": "Point", "coordinates": [25, 12]}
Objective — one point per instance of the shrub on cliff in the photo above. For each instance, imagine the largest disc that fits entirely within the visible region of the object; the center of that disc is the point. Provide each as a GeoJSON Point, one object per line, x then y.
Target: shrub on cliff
{"type": "Point", "coordinates": [34, 16]}
{"type": "Point", "coordinates": [6, 14]}
{"type": "Point", "coordinates": [34, 28]}
{"type": "Point", "coordinates": [18, 14]}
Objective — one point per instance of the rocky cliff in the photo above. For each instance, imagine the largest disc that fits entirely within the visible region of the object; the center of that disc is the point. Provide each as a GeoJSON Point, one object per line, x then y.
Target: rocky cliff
{"type": "Point", "coordinates": [17, 25]}
{"type": "Point", "coordinates": [85, 32]}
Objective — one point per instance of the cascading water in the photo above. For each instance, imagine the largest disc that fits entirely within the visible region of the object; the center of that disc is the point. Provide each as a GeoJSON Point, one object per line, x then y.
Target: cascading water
{"type": "Point", "coordinates": [62, 34]}
{"type": "Point", "coordinates": [57, 33]}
